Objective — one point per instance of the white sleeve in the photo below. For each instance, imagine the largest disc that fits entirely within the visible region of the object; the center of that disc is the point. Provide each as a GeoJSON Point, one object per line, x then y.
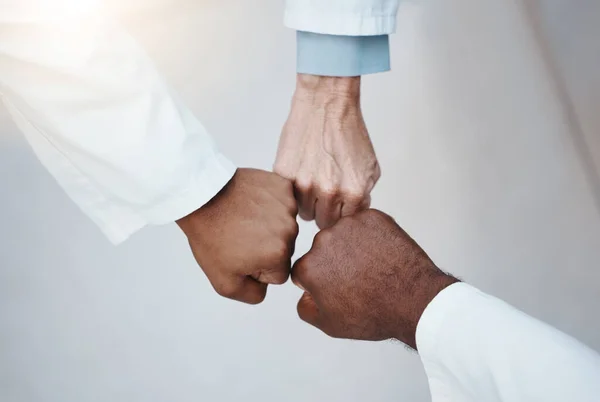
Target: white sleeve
{"type": "Point", "coordinates": [100, 118]}
{"type": "Point", "coordinates": [477, 348]}
{"type": "Point", "coordinates": [342, 17]}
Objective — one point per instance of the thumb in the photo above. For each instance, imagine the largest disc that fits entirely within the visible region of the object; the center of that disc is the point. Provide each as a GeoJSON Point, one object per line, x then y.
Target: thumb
{"type": "Point", "coordinates": [241, 288]}
{"type": "Point", "coordinates": [274, 276]}
{"type": "Point", "coordinates": [283, 167]}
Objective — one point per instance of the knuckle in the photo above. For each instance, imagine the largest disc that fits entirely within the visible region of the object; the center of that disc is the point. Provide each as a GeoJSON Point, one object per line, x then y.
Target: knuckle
{"type": "Point", "coordinates": [293, 228]}
{"type": "Point", "coordinates": [322, 223]}
{"type": "Point", "coordinates": [293, 208]}
{"type": "Point", "coordinates": [275, 275]}
{"type": "Point", "coordinates": [346, 221]}
{"type": "Point", "coordinates": [300, 269]}
{"type": "Point", "coordinates": [366, 204]}
{"type": "Point", "coordinates": [261, 298]}
{"type": "Point", "coordinates": [258, 297]}
{"type": "Point", "coordinates": [287, 186]}
{"type": "Point", "coordinates": [354, 196]}
{"type": "Point", "coordinates": [281, 277]}
{"type": "Point", "coordinates": [287, 199]}
{"type": "Point", "coordinates": [375, 215]}
{"type": "Point", "coordinates": [328, 190]}
{"type": "Point", "coordinates": [289, 214]}
{"type": "Point", "coordinates": [323, 238]}
{"type": "Point", "coordinates": [305, 307]}
{"type": "Point", "coordinates": [370, 213]}
{"type": "Point", "coordinates": [301, 309]}
{"type": "Point", "coordinates": [330, 332]}
{"type": "Point", "coordinates": [306, 212]}
{"type": "Point", "coordinates": [256, 300]}
{"type": "Point", "coordinates": [281, 168]}
{"type": "Point", "coordinates": [304, 183]}
{"type": "Point", "coordinates": [285, 167]}
{"type": "Point", "coordinates": [377, 173]}
{"type": "Point", "coordinates": [350, 222]}
{"type": "Point", "coordinates": [280, 251]}
{"type": "Point", "coordinates": [226, 289]}
{"type": "Point", "coordinates": [354, 191]}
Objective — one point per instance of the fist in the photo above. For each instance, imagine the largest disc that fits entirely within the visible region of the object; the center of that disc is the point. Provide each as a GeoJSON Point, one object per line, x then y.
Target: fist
{"type": "Point", "coordinates": [326, 151]}
{"type": "Point", "coordinates": [243, 239]}
{"type": "Point", "coordinates": [366, 279]}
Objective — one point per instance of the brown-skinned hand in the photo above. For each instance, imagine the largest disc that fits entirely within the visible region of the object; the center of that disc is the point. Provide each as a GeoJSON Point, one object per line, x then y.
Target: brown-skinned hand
{"type": "Point", "coordinates": [243, 239]}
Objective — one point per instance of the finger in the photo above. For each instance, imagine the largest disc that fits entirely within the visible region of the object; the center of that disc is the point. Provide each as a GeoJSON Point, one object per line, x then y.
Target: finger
{"type": "Point", "coordinates": [306, 196]}
{"type": "Point", "coordinates": [300, 273]}
{"type": "Point", "coordinates": [366, 203]}
{"type": "Point", "coordinates": [308, 311]}
{"type": "Point", "coordinates": [283, 165]}
{"type": "Point", "coordinates": [287, 197]}
{"type": "Point", "coordinates": [298, 284]}
{"type": "Point", "coordinates": [275, 261]}
{"type": "Point", "coordinates": [306, 205]}
{"type": "Point", "coordinates": [272, 276]}
{"type": "Point", "coordinates": [373, 180]}
{"type": "Point", "coordinates": [277, 275]}
{"type": "Point", "coordinates": [244, 289]}
{"type": "Point", "coordinates": [327, 210]}
{"type": "Point", "coordinates": [289, 229]}
{"type": "Point", "coordinates": [353, 204]}
{"type": "Point", "coordinates": [291, 243]}
{"type": "Point", "coordinates": [253, 292]}
{"type": "Point", "coordinates": [277, 264]}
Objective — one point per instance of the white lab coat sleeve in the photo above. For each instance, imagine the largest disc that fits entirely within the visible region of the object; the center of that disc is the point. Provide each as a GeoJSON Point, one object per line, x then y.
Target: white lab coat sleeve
{"type": "Point", "coordinates": [342, 17]}
{"type": "Point", "coordinates": [477, 348]}
{"type": "Point", "coordinates": [100, 118]}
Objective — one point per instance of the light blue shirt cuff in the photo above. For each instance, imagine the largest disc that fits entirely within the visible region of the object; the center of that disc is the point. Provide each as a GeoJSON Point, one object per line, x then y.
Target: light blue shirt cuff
{"type": "Point", "coordinates": [342, 56]}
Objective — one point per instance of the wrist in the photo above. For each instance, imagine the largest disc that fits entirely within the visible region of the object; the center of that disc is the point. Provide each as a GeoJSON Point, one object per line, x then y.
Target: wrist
{"type": "Point", "coordinates": [191, 225]}
{"type": "Point", "coordinates": [322, 90]}
{"type": "Point", "coordinates": [428, 286]}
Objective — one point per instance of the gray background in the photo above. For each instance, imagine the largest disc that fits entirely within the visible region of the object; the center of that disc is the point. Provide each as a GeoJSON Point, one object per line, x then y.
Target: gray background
{"type": "Point", "coordinates": [487, 133]}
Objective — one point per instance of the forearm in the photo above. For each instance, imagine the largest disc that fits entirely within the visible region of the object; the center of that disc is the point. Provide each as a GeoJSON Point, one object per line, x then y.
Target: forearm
{"type": "Point", "coordinates": [474, 346]}
{"type": "Point", "coordinates": [101, 119]}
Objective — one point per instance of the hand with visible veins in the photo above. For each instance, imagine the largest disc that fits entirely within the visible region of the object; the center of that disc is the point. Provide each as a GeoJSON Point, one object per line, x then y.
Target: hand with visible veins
{"type": "Point", "coordinates": [365, 278]}
{"type": "Point", "coordinates": [244, 238]}
{"type": "Point", "coordinates": [326, 151]}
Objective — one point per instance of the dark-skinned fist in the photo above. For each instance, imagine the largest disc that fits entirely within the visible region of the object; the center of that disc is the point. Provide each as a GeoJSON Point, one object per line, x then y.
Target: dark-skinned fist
{"type": "Point", "coordinates": [365, 278]}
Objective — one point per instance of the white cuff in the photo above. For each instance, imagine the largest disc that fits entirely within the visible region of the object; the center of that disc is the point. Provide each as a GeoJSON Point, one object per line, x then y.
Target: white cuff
{"type": "Point", "coordinates": [119, 224]}
{"type": "Point", "coordinates": [441, 308]}
{"type": "Point", "coordinates": [478, 348]}
{"type": "Point", "coordinates": [430, 330]}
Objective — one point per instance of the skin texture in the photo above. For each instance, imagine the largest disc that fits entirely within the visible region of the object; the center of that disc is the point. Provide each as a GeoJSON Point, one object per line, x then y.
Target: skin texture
{"type": "Point", "coordinates": [366, 279]}
{"type": "Point", "coordinates": [326, 151]}
{"type": "Point", "coordinates": [244, 237]}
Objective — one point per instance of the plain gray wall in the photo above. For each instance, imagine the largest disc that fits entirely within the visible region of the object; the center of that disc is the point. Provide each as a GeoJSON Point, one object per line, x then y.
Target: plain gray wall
{"type": "Point", "coordinates": [481, 150]}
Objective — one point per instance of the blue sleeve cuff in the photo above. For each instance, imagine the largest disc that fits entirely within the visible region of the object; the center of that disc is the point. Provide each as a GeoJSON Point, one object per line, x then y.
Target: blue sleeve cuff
{"type": "Point", "coordinates": [342, 56]}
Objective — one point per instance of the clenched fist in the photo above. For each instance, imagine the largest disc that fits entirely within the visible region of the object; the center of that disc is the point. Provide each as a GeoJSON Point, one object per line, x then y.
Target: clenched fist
{"type": "Point", "coordinates": [326, 151]}
{"type": "Point", "coordinates": [244, 238]}
{"type": "Point", "coordinates": [365, 278]}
